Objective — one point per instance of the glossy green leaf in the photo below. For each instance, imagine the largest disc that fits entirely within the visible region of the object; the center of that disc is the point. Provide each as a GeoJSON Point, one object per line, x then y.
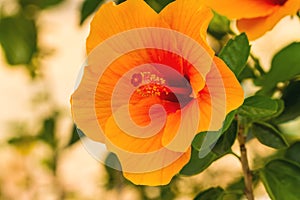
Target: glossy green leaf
{"type": "Point", "coordinates": [235, 53]}
{"type": "Point", "coordinates": [158, 5]}
{"type": "Point", "coordinates": [291, 98]}
{"type": "Point", "coordinates": [228, 120]}
{"type": "Point", "coordinates": [207, 140]}
{"type": "Point", "coordinates": [206, 151]}
{"type": "Point", "coordinates": [89, 7]}
{"type": "Point", "coordinates": [285, 66]}
{"type": "Point", "coordinates": [225, 142]}
{"type": "Point", "coordinates": [293, 152]}
{"type": "Point", "coordinates": [268, 135]}
{"type": "Point", "coordinates": [281, 180]}
{"type": "Point", "coordinates": [18, 38]}
{"type": "Point", "coordinates": [259, 107]}
{"type": "Point", "coordinates": [247, 73]}
{"type": "Point", "coordinates": [219, 26]}
{"type": "Point", "coordinates": [215, 193]}
{"type": "Point", "coordinates": [196, 164]}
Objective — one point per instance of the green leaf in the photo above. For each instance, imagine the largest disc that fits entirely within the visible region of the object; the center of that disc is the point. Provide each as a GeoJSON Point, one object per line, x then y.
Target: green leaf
{"type": "Point", "coordinates": [47, 133]}
{"type": "Point", "coordinates": [205, 141]}
{"type": "Point", "coordinates": [292, 153]}
{"type": "Point", "coordinates": [219, 26]}
{"type": "Point", "coordinates": [203, 157]}
{"type": "Point", "coordinates": [291, 98]}
{"type": "Point", "coordinates": [259, 107]}
{"type": "Point", "coordinates": [196, 164]}
{"type": "Point", "coordinates": [215, 193]}
{"type": "Point", "coordinates": [247, 72]}
{"type": "Point", "coordinates": [43, 4]}
{"type": "Point", "coordinates": [235, 53]}
{"type": "Point", "coordinates": [74, 137]}
{"type": "Point", "coordinates": [158, 5]}
{"type": "Point", "coordinates": [113, 168]}
{"type": "Point", "coordinates": [285, 66]}
{"type": "Point", "coordinates": [268, 135]}
{"type": "Point", "coordinates": [89, 7]}
{"type": "Point", "coordinates": [281, 180]}
{"type": "Point", "coordinates": [228, 120]}
{"type": "Point", "coordinates": [18, 38]}
{"type": "Point", "coordinates": [224, 143]}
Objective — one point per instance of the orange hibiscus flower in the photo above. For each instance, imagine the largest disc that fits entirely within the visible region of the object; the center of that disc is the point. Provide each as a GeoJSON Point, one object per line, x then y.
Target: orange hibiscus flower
{"type": "Point", "coordinates": [150, 85]}
{"type": "Point", "coordinates": [255, 17]}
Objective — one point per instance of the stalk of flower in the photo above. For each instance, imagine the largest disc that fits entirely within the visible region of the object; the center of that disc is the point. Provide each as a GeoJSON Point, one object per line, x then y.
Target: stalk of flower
{"type": "Point", "coordinates": [152, 83]}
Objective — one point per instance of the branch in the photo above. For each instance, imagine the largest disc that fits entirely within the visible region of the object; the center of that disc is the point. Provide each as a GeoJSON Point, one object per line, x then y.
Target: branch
{"type": "Point", "coordinates": [245, 165]}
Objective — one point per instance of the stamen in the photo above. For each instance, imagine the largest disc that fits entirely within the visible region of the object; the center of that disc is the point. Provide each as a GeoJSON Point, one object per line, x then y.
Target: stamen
{"type": "Point", "coordinates": [150, 84]}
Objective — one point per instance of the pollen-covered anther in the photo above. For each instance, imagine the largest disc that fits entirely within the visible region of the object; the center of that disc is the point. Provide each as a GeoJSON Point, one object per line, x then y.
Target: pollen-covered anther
{"type": "Point", "coordinates": [152, 89]}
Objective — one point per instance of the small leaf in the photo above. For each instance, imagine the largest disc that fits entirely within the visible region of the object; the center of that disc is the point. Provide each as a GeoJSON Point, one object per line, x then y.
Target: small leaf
{"type": "Point", "coordinates": [259, 107]}
{"type": "Point", "coordinates": [205, 141]}
{"type": "Point", "coordinates": [285, 66]}
{"type": "Point", "coordinates": [113, 168]}
{"type": "Point", "coordinates": [281, 180]}
{"type": "Point", "coordinates": [247, 72]}
{"type": "Point", "coordinates": [43, 4]}
{"type": "Point", "coordinates": [219, 26]}
{"type": "Point", "coordinates": [196, 164]}
{"type": "Point", "coordinates": [291, 98]}
{"type": "Point", "coordinates": [215, 193]}
{"type": "Point", "coordinates": [18, 38]}
{"type": "Point", "coordinates": [47, 133]}
{"type": "Point", "coordinates": [292, 153]}
{"type": "Point", "coordinates": [224, 143]}
{"type": "Point", "coordinates": [158, 5]}
{"type": "Point", "coordinates": [88, 7]}
{"type": "Point", "coordinates": [74, 137]}
{"type": "Point", "coordinates": [228, 120]}
{"type": "Point", "coordinates": [235, 53]}
{"type": "Point", "coordinates": [268, 135]}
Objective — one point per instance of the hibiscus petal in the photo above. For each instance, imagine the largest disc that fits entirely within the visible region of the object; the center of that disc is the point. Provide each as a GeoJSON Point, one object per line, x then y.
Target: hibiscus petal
{"type": "Point", "coordinates": [256, 27]}
{"type": "Point", "coordinates": [162, 176]}
{"type": "Point", "coordinates": [181, 128]}
{"type": "Point", "coordinates": [222, 94]}
{"type": "Point", "coordinates": [82, 104]}
{"type": "Point", "coordinates": [112, 19]}
{"type": "Point", "coordinates": [193, 23]}
{"type": "Point", "coordinates": [237, 9]}
{"type": "Point", "coordinates": [234, 90]}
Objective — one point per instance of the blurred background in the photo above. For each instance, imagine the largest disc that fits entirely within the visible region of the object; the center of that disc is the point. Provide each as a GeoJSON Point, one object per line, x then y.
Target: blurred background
{"type": "Point", "coordinates": [43, 49]}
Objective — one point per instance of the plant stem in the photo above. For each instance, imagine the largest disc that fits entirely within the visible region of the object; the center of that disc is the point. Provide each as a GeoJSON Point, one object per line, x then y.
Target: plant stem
{"type": "Point", "coordinates": [245, 164]}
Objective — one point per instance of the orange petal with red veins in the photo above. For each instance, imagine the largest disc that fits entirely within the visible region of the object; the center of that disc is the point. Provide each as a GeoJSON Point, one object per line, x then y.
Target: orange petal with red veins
{"type": "Point", "coordinates": [256, 27]}
{"type": "Point", "coordinates": [237, 9]}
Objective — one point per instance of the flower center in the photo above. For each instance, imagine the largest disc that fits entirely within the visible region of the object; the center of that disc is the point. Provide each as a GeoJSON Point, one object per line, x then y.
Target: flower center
{"type": "Point", "coordinates": [150, 84]}
{"type": "Point", "coordinates": [279, 2]}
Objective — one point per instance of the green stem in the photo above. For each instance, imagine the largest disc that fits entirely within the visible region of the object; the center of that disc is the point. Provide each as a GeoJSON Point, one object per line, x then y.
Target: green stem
{"type": "Point", "coordinates": [245, 164]}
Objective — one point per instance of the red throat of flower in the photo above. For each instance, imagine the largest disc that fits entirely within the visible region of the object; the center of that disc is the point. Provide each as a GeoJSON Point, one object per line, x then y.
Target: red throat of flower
{"type": "Point", "coordinates": [278, 2]}
{"type": "Point", "coordinates": [153, 85]}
